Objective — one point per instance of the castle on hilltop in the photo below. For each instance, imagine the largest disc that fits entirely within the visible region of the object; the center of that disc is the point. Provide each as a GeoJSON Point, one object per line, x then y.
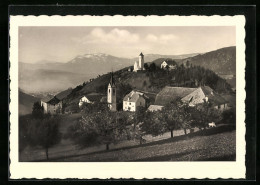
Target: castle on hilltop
{"type": "Point", "coordinates": [139, 65]}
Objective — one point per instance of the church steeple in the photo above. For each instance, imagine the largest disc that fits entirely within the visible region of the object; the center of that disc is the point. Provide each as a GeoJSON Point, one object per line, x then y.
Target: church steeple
{"type": "Point", "coordinates": [111, 94]}
{"type": "Point", "coordinates": [112, 81]}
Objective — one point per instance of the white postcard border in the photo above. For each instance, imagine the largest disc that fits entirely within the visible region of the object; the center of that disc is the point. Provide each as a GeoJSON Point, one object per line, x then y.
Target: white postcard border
{"type": "Point", "coordinates": [137, 170]}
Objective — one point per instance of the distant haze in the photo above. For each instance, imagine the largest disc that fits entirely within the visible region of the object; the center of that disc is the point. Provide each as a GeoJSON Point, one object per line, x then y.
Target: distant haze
{"type": "Point", "coordinates": [62, 44]}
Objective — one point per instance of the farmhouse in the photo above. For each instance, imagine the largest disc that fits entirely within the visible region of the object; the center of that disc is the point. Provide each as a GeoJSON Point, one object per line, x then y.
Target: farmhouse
{"type": "Point", "coordinates": [168, 64]}
{"type": "Point", "coordinates": [133, 100]}
{"type": "Point", "coordinates": [139, 65]}
{"type": "Point", "coordinates": [205, 94]}
{"type": "Point", "coordinates": [90, 98]}
{"type": "Point", "coordinates": [192, 96]}
{"type": "Point", "coordinates": [169, 94]}
{"type": "Point", "coordinates": [52, 105]}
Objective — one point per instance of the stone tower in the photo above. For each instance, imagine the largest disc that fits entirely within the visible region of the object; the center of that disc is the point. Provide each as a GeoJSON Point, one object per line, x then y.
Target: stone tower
{"type": "Point", "coordinates": [111, 94]}
{"type": "Point", "coordinates": [141, 61]}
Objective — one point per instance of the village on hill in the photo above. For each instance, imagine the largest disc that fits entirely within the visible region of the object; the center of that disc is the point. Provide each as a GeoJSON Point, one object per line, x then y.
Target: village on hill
{"type": "Point", "coordinates": [139, 98]}
{"type": "Point", "coordinates": [146, 100]}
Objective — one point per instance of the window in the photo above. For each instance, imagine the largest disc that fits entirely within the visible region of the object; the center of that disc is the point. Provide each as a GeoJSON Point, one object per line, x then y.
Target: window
{"type": "Point", "coordinates": [129, 103]}
{"type": "Point", "coordinates": [108, 90]}
{"type": "Point", "coordinates": [114, 91]}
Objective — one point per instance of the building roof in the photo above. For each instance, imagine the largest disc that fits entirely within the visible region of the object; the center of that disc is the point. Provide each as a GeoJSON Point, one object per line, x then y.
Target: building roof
{"type": "Point", "coordinates": [206, 90]}
{"type": "Point", "coordinates": [170, 62]}
{"type": "Point", "coordinates": [141, 54]}
{"type": "Point", "coordinates": [231, 100]}
{"type": "Point", "coordinates": [47, 98]}
{"type": "Point", "coordinates": [155, 108]}
{"type": "Point", "coordinates": [216, 99]}
{"type": "Point", "coordinates": [93, 97]}
{"type": "Point", "coordinates": [200, 93]}
{"type": "Point", "coordinates": [195, 97]}
{"type": "Point", "coordinates": [168, 94]}
{"type": "Point", "coordinates": [133, 96]}
{"type": "Point", "coordinates": [53, 101]}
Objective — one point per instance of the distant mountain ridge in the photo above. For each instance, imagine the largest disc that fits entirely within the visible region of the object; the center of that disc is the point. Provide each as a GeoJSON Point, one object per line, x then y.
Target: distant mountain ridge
{"type": "Point", "coordinates": [152, 57]}
{"type": "Point", "coordinates": [54, 76]}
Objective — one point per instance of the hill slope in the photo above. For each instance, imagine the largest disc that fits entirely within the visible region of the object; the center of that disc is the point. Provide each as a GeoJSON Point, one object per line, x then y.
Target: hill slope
{"type": "Point", "coordinates": [221, 61]}
{"type": "Point", "coordinates": [151, 81]}
{"type": "Point", "coordinates": [26, 103]}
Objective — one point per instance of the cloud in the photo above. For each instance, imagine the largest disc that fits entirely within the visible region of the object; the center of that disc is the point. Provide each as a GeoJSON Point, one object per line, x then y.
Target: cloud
{"type": "Point", "coordinates": [163, 39]}
{"type": "Point", "coordinates": [151, 38]}
{"type": "Point", "coordinates": [98, 35]}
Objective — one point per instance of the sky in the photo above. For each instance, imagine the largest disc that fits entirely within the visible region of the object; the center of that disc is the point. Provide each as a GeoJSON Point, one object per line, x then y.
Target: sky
{"type": "Point", "coordinates": [62, 44]}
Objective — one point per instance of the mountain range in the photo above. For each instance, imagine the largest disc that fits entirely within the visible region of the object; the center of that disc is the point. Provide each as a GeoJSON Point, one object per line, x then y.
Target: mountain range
{"type": "Point", "coordinates": [54, 76]}
{"type": "Point", "coordinates": [47, 76]}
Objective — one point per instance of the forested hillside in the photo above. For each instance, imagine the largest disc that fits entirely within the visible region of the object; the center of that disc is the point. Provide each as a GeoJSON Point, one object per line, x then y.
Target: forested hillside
{"type": "Point", "coordinates": [221, 61]}
{"type": "Point", "coordinates": [152, 80]}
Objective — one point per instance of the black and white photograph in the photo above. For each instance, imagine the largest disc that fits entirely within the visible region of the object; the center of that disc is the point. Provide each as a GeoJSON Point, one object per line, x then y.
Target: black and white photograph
{"type": "Point", "coordinates": [128, 94]}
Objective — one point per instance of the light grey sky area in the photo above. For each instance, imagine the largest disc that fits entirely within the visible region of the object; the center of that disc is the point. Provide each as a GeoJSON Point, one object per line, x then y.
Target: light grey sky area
{"type": "Point", "coordinates": [61, 44]}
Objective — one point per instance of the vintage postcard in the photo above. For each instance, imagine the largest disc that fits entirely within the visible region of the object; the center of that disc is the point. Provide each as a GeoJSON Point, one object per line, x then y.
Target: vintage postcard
{"type": "Point", "coordinates": [127, 97]}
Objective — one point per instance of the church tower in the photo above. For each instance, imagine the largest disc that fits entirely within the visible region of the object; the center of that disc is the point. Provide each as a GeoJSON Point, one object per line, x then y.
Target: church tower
{"type": "Point", "coordinates": [111, 94]}
{"type": "Point", "coordinates": [141, 61]}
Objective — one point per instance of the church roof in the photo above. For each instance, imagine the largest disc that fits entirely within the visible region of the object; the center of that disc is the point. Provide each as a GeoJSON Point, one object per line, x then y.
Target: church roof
{"type": "Point", "coordinates": [141, 54]}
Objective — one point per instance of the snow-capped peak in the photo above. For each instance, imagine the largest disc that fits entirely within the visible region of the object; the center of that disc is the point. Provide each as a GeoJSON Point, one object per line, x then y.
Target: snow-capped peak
{"type": "Point", "coordinates": [97, 56]}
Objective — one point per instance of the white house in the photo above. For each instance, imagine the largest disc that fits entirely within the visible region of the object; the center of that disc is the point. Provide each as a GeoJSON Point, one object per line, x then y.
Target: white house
{"type": "Point", "coordinates": [139, 65]}
{"type": "Point", "coordinates": [83, 100]}
{"type": "Point", "coordinates": [192, 96]}
{"type": "Point", "coordinates": [90, 98]}
{"type": "Point", "coordinates": [133, 100]}
{"type": "Point", "coordinates": [170, 63]}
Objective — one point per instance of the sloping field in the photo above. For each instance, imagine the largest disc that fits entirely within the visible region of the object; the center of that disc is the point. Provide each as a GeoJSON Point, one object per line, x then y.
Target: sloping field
{"type": "Point", "coordinates": [215, 144]}
{"type": "Point", "coordinates": [218, 147]}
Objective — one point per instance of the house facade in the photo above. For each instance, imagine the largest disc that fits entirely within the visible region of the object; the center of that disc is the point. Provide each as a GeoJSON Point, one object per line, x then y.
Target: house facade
{"type": "Point", "coordinates": [133, 100]}
{"type": "Point", "coordinates": [52, 106]}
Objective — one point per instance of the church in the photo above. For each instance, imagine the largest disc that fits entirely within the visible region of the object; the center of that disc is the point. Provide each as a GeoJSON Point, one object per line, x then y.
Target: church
{"type": "Point", "coordinates": [111, 94]}
{"type": "Point", "coordinates": [139, 65]}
